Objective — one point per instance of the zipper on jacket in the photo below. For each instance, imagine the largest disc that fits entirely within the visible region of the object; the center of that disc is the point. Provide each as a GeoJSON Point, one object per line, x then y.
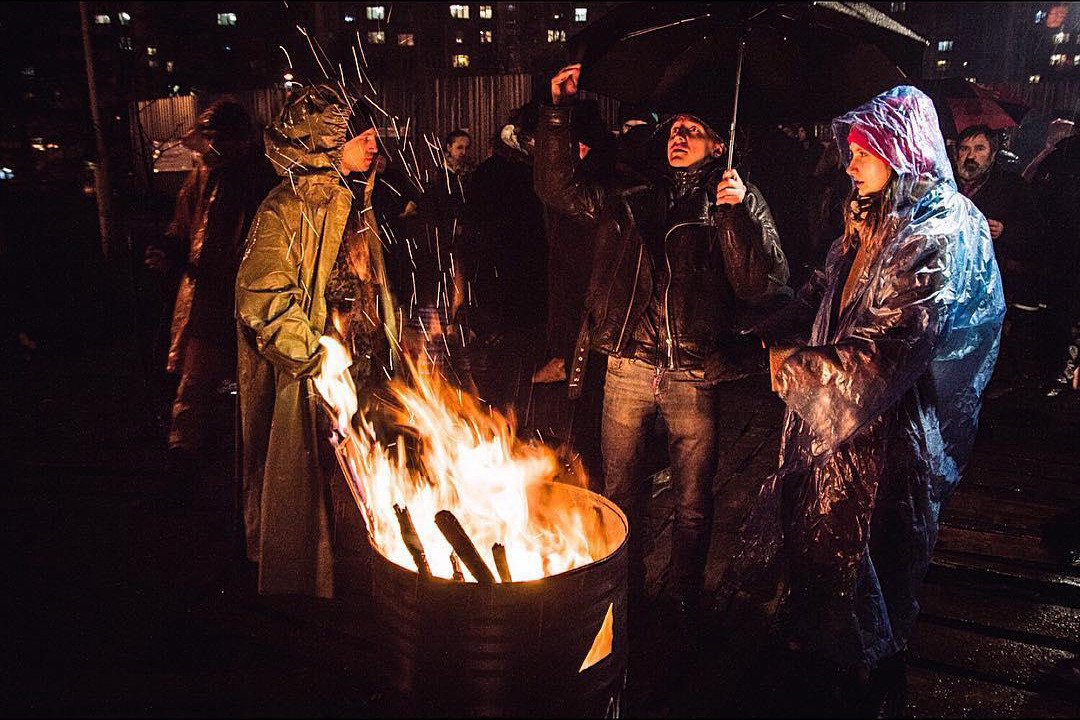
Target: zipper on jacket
{"type": "Point", "coordinates": [667, 294]}
{"type": "Point", "coordinates": [633, 293]}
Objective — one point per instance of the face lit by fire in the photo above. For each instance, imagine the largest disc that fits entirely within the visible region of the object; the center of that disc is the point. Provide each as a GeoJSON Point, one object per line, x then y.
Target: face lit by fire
{"type": "Point", "coordinates": [869, 172]}
{"type": "Point", "coordinates": [974, 156]}
{"type": "Point", "coordinates": [690, 142]}
{"type": "Point", "coordinates": [359, 152]}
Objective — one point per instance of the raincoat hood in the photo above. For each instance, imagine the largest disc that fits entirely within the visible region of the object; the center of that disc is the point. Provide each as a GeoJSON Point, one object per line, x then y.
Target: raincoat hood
{"type": "Point", "coordinates": [901, 127]}
{"type": "Point", "coordinates": [309, 132]}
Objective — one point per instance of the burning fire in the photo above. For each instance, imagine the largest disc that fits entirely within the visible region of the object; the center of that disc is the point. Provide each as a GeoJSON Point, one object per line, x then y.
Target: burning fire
{"type": "Point", "coordinates": [452, 453]}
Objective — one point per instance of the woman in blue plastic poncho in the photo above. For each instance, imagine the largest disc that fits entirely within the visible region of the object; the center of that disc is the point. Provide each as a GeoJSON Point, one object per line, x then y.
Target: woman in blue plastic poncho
{"type": "Point", "coordinates": [882, 397]}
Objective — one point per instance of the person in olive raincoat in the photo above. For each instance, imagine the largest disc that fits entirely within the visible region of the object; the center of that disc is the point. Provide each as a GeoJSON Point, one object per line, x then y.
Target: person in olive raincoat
{"type": "Point", "coordinates": [313, 249]}
{"type": "Point", "coordinates": [883, 396]}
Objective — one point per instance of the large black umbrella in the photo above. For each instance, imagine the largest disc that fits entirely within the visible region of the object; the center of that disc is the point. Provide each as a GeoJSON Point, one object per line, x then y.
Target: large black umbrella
{"type": "Point", "coordinates": [799, 61]}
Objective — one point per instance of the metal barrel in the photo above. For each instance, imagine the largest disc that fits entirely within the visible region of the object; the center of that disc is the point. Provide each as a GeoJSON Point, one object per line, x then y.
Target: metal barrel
{"type": "Point", "coordinates": [507, 649]}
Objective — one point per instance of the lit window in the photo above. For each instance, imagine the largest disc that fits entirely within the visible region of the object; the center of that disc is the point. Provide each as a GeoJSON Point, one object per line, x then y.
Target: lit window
{"type": "Point", "coordinates": [459, 37]}
{"type": "Point", "coordinates": [376, 37]}
{"type": "Point", "coordinates": [125, 19]}
{"type": "Point", "coordinates": [485, 12]}
{"type": "Point", "coordinates": [944, 45]}
{"type": "Point", "coordinates": [1034, 79]}
{"type": "Point", "coordinates": [226, 19]}
{"type": "Point", "coordinates": [1061, 38]}
{"type": "Point", "coordinates": [581, 14]}
{"type": "Point", "coordinates": [406, 39]}
{"type": "Point", "coordinates": [972, 79]}
{"type": "Point", "coordinates": [151, 50]}
{"type": "Point", "coordinates": [1076, 59]}
{"type": "Point", "coordinates": [556, 36]}
{"type": "Point", "coordinates": [350, 18]}
{"type": "Point", "coordinates": [460, 61]}
{"type": "Point", "coordinates": [897, 7]}
{"type": "Point", "coordinates": [376, 12]}
{"type": "Point", "coordinates": [942, 63]}
{"type": "Point", "coordinates": [102, 20]}
{"type": "Point", "coordinates": [125, 43]}
{"type": "Point", "coordinates": [556, 16]}
{"type": "Point", "coordinates": [1040, 15]}
{"type": "Point", "coordinates": [486, 36]}
{"type": "Point", "coordinates": [28, 71]}
{"type": "Point", "coordinates": [1059, 59]}
{"type": "Point", "coordinates": [169, 66]}
{"type": "Point", "coordinates": [461, 12]}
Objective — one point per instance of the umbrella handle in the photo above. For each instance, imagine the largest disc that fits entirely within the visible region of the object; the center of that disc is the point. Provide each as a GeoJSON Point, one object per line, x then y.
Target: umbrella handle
{"type": "Point", "coordinates": [735, 106]}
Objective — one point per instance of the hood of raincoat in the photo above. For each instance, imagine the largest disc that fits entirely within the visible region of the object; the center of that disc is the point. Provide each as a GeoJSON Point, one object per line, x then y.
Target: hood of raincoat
{"type": "Point", "coordinates": [309, 133]}
{"type": "Point", "coordinates": [312, 127]}
{"type": "Point", "coordinates": [901, 126]}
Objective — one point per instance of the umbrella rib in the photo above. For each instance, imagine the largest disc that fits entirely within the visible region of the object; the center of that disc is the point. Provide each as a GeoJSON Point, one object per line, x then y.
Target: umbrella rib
{"type": "Point", "coordinates": [646, 31]}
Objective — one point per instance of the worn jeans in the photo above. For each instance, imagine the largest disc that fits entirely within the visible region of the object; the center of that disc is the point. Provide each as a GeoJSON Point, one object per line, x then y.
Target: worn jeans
{"type": "Point", "coordinates": [634, 392]}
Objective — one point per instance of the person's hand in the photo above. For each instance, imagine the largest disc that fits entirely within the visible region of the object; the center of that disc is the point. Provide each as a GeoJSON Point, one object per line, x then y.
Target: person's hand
{"type": "Point", "coordinates": [564, 86]}
{"type": "Point", "coordinates": [996, 228]}
{"type": "Point", "coordinates": [732, 190]}
{"type": "Point", "coordinates": [154, 258]}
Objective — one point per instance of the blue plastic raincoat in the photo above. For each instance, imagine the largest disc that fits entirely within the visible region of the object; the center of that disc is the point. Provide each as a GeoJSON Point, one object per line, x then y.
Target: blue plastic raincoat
{"type": "Point", "coordinates": [883, 401]}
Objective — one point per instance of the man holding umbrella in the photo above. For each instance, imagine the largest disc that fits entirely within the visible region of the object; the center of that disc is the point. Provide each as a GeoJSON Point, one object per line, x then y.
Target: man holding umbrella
{"type": "Point", "coordinates": [676, 251]}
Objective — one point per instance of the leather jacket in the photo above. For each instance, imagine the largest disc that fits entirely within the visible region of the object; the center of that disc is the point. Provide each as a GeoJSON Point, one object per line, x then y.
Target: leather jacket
{"type": "Point", "coordinates": [655, 239]}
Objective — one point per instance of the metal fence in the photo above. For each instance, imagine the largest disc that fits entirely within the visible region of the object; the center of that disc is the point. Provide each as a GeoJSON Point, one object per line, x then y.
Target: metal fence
{"type": "Point", "coordinates": [433, 105]}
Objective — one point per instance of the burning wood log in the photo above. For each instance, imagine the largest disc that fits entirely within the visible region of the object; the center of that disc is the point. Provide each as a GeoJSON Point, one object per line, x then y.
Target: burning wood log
{"type": "Point", "coordinates": [412, 540]}
{"type": "Point", "coordinates": [503, 568]}
{"type": "Point", "coordinates": [456, 565]}
{"type": "Point", "coordinates": [459, 540]}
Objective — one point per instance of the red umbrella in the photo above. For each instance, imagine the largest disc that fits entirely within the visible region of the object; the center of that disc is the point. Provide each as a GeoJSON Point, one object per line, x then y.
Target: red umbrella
{"type": "Point", "coordinates": [961, 103]}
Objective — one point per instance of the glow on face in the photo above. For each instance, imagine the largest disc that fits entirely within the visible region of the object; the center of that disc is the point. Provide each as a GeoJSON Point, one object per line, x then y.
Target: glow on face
{"type": "Point", "coordinates": [359, 152]}
{"type": "Point", "coordinates": [689, 142]}
{"type": "Point", "coordinates": [869, 172]}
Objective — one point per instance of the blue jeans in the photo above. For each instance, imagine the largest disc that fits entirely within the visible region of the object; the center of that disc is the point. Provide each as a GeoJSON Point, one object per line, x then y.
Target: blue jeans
{"type": "Point", "coordinates": [634, 392]}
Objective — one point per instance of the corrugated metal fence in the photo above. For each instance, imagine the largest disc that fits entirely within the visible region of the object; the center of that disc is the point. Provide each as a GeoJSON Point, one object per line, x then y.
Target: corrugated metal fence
{"type": "Point", "coordinates": [479, 104]}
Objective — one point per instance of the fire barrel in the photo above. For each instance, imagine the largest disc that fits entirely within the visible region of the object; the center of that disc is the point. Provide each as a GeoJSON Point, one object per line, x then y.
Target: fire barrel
{"type": "Point", "coordinates": [554, 647]}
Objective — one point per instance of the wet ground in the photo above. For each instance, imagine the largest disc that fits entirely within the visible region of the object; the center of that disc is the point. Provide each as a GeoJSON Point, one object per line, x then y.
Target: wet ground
{"type": "Point", "coordinates": [122, 602]}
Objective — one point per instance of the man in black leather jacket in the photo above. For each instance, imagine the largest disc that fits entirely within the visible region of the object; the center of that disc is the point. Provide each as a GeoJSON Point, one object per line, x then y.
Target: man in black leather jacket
{"type": "Point", "coordinates": [674, 255]}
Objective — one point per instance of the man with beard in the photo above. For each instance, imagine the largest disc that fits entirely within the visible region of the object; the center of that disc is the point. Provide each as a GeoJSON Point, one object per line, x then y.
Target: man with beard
{"type": "Point", "coordinates": [1019, 236]}
{"type": "Point", "coordinates": [675, 252]}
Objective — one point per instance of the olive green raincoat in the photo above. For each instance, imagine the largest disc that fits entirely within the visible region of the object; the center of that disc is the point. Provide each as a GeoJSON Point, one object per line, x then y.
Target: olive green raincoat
{"type": "Point", "coordinates": [281, 312]}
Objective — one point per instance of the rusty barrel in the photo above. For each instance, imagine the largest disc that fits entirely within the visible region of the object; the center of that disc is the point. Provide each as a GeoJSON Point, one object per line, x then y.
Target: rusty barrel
{"type": "Point", "coordinates": [508, 649]}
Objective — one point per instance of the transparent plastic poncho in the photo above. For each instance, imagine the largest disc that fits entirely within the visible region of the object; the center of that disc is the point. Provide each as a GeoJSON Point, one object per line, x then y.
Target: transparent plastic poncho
{"type": "Point", "coordinates": [883, 398]}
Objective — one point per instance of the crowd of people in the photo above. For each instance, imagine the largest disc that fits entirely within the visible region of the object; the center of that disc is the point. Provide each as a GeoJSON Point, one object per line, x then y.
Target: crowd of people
{"type": "Point", "coordinates": [862, 274]}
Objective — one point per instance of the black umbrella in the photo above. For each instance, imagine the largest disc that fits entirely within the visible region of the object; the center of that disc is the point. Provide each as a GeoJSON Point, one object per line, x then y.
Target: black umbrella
{"type": "Point", "coordinates": [795, 61]}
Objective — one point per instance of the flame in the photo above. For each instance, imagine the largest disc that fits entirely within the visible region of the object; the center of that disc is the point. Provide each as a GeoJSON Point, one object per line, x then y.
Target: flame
{"type": "Point", "coordinates": [451, 452]}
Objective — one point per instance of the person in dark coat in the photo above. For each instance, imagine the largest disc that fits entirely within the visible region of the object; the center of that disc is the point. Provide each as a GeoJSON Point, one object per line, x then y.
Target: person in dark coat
{"type": "Point", "coordinates": [1020, 242]}
{"type": "Point", "coordinates": [1057, 187]}
{"type": "Point", "coordinates": [674, 255]}
{"type": "Point", "coordinates": [214, 209]}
